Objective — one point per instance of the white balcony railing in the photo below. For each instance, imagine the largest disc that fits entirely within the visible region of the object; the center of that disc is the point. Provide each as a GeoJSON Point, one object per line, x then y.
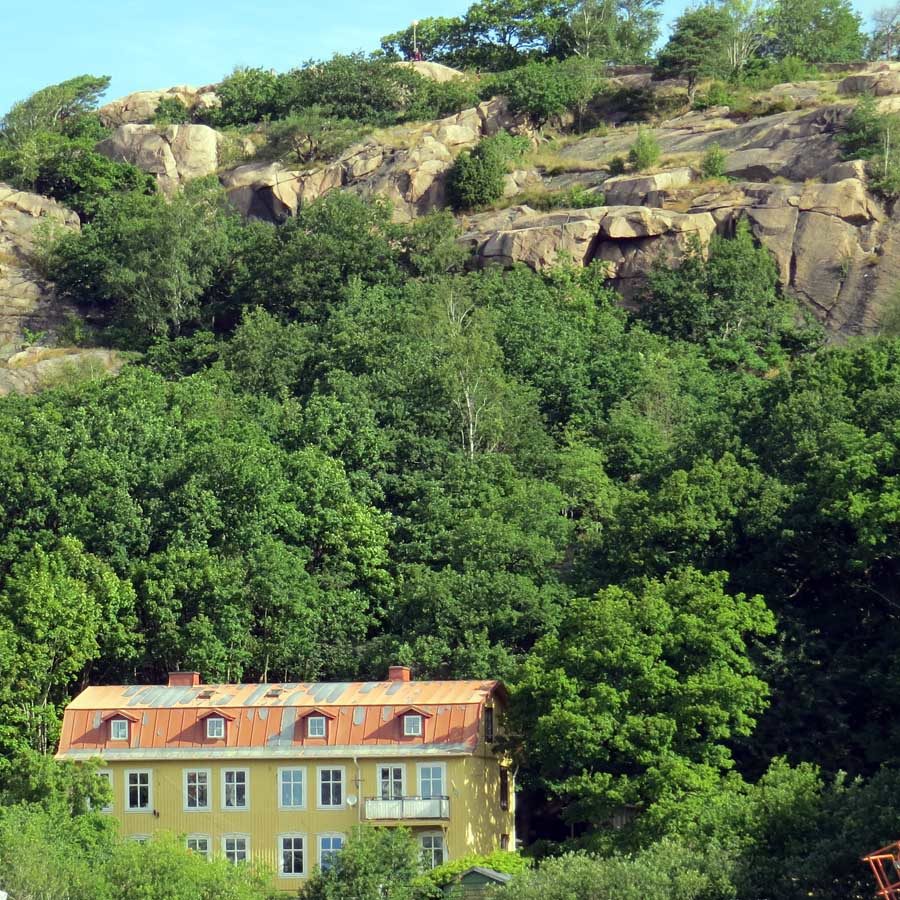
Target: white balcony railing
{"type": "Point", "coordinates": [409, 808]}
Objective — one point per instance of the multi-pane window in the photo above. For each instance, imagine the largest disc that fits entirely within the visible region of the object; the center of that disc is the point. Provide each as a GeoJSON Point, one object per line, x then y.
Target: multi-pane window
{"type": "Point", "coordinates": [315, 726]}
{"type": "Point", "coordinates": [236, 848]}
{"type": "Point", "coordinates": [412, 726]}
{"type": "Point", "coordinates": [329, 847]}
{"type": "Point", "coordinates": [292, 790]}
{"type": "Point", "coordinates": [331, 787]}
{"type": "Point", "coordinates": [432, 850]}
{"type": "Point", "coordinates": [138, 790]}
{"type": "Point", "coordinates": [106, 775]}
{"type": "Point", "coordinates": [390, 779]}
{"type": "Point", "coordinates": [431, 781]}
{"type": "Point", "coordinates": [292, 856]}
{"type": "Point", "coordinates": [504, 788]}
{"type": "Point", "coordinates": [118, 729]}
{"type": "Point", "coordinates": [234, 789]}
{"type": "Point", "coordinates": [489, 723]}
{"type": "Point", "coordinates": [196, 789]}
{"type": "Point", "coordinates": [199, 844]}
{"type": "Point", "coordinates": [215, 727]}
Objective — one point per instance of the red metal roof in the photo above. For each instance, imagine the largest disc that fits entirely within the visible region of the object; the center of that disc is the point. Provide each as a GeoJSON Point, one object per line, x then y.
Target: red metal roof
{"type": "Point", "coordinates": [268, 719]}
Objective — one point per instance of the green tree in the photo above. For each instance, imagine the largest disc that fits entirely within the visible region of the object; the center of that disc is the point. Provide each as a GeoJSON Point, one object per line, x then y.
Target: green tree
{"type": "Point", "coordinates": [634, 698]}
{"type": "Point", "coordinates": [698, 47]}
{"type": "Point", "coordinates": [818, 31]}
{"type": "Point", "coordinates": [374, 864]}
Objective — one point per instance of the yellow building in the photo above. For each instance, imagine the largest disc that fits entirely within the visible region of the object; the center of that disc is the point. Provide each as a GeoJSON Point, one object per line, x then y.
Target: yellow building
{"type": "Point", "coordinates": [281, 773]}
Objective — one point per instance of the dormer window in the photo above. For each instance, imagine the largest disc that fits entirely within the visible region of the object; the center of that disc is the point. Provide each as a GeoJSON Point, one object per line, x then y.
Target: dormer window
{"type": "Point", "coordinates": [412, 725]}
{"type": "Point", "coordinates": [118, 729]}
{"type": "Point", "coordinates": [315, 726]}
{"type": "Point", "coordinates": [215, 728]}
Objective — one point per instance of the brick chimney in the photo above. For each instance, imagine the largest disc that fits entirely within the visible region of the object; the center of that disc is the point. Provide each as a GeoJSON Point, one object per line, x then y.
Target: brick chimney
{"type": "Point", "coordinates": [399, 673]}
{"type": "Point", "coordinates": [184, 679]}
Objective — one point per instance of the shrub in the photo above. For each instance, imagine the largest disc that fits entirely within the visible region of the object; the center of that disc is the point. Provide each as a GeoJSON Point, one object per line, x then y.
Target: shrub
{"type": "Point", "coordinates": [644, 152]}
{"type": "Point", "coordinates": [247, 95]}
{"type": "Point", "coordinates": [430, 885]}
{"type": "Point", "coordinates": [713, 163]}
{"type": "Point", "coordinates": [171, 111]}
{"type": "Point", "coordinates": [717, 94]}
{"type": "Point", "coordinates": [542, 90]}
{"type": "Point", "coordinates": [617, 165]}
{"type": "Point", "coordinates": [310, 135]}
{"type": "Point", "coordinates": [437, 99]}
{"type": "Point", "coordinates": [476, 177]}
{"type": "Point", "coordinates": [765, 73]}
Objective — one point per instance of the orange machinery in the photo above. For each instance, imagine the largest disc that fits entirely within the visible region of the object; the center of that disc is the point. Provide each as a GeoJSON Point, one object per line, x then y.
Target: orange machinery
{"type": "Point", "coordinates": [885, 865]}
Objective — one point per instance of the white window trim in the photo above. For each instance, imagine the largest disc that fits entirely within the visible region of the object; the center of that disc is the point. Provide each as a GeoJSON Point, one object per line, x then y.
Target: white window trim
{"type": "Point", "coordinates": [431, 765]}
{"type": "Point", "coordinates": [445, 857]}
{"type": "Point", "coordinates": [137, 809]}
{"type": "Point", "coordinates": [215, 720]}
{"type": "Point", "coordinates": [246, 806]}
{"type": "Point", "coordinates": [401, 767]}
{"type": "Point", "coordinates": [119, 720]}
{"type": "Point", "coordinates": [108, 775]}
{"type": "Point", "coordinates": [302, 790]}
{"type": "Point", "coordinates": [293, 834]}
{"type": "Point", "coordinates": [319, 771]}
{"type": "Point", "coordinates": [139, 838]}
{"type": "Point", "coordinates": [328, 834]}
{"type": "Point", "coordinates": [317, 718]}
{"type": "Point", "coordinates": [200, 837]}
{"type": "Point", "coordinates": [184, 786]}
{"type": "Point", "coordinates": [413, 717]}
{"type": "Point", "coordinates": [235, 835]}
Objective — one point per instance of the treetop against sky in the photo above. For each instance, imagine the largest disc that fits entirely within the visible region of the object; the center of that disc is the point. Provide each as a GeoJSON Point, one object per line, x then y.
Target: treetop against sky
{"type": "Point", "coordinates": [146, 45]}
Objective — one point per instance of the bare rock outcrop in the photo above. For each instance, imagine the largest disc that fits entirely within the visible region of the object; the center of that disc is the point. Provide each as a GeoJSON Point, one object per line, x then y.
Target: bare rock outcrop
{"type": "Point", "coordinates": [411, 174]}
{"type": "Point", "coordinates": [629, 239]}
{"type": "Point", "coordinates": [39, 367]}
{"type": "Point", "coordinates": [27, 301]}
{"type": "Point", "coordinates": [140, 107]}
{"type": "Point", "coordinates": [174, 154]}
{"type": "Point", "coordinates": [881, 80]}
{"type": "Point", "coordinates": [434, 71]}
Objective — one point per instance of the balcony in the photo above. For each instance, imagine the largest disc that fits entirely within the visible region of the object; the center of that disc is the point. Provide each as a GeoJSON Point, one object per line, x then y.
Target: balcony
{"type": "Point", "coordinates": [408, 808]}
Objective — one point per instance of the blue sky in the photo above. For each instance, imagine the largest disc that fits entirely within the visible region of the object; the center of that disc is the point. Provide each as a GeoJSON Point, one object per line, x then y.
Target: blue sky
{"type": "Point", "coordinates": [147, 44]}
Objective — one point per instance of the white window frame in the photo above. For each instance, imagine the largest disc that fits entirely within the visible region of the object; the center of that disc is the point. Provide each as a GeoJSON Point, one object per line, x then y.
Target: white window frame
{"type": "Point", "coordinates": [236, 836]}
{"type": "Point", "coordinates": [431, 765]}
{"type": "Point", "coordinates": [113, 723]}
{"type": "Point", "coordinates": [108, 775]}
{"type": "Point", "coordinates": [246, 805]}
{"type": "Point", "coordinates": [293, 835]}
{"type": "Point", "coordinates": [139, 809]}
{"type": "Point", "coordinates": [199, 837]}
{"type": "Point", "coordinates": [219, 722]}
{"type": "Point", "coordinates": [331, 835]}
{"type": "Point", "coordinates": [139, 838]}
{"type": "Point", "coordinates": [319, 720]}
{"type": "Point", "coordinates": [343, 803]}
{"type": "Point", "coordinates": [281, 771]}
{"type": "Point", "coordinates": [430, 850]}
{"type": "Point", "coordinates": [184, 783]}
{"type": "Point", "coordinates": [379, 780]}
{"type": "Point", "coordinates": [413, 731]}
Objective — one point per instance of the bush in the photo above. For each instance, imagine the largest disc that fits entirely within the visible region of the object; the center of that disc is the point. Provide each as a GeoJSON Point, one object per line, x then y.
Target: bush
{"type": "Point", "coordinates": [644, 152]}
{"type": "Point", "coordinates": [765, 73]}
{"type": "Point", "coordinates": [247, 95]}
{"type": "Point", "coordinates": [171, 111]}
{"type": "Point", "coordinates": [713, 163]}
{"type": "Point", "coordinates": [310, 136]}
{"type": "Point", "coordinates": [476, 178]}
{"type": "Point", "coordinates": [542, 90]}
{"type": "Point", "coordinates": [430, 885]}
{"type": "Point", "coordinates": [717, 94]}
{"type": "Point", "coordinates": [617, 165]}
{"type": "Point", "coordinates": [437, 99]}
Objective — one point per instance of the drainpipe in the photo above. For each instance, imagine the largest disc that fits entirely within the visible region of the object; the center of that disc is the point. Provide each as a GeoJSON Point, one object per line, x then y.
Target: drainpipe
{"type": "Point", "coordinates": [359, 796]}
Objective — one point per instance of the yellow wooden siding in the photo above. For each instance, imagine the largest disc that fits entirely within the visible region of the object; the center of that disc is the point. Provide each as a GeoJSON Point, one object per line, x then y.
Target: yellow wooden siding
{"type": "Point", "coordinates": [475, 822]}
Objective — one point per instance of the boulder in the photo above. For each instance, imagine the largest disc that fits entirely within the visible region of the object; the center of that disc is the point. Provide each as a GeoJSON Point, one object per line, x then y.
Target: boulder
{"type": "Point", "coordinates": [881, 80]}
{"type": "Point", "coordinates": [140, 107]}
{"type": "Point", "coordinates": [432, 70]}
{"type": "Point", "coordinates": [27, 301]}
{"type": "Point", "coordinates": [633, 190]}
{"type": "Point", "coordinates": [38, 367]}
{"type": "Point", "coordinates": [175, 155]}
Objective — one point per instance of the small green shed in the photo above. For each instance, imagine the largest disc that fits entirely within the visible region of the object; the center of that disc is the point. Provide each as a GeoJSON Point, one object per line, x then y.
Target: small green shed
{"type": "Point", "coordinates": [473, 882]}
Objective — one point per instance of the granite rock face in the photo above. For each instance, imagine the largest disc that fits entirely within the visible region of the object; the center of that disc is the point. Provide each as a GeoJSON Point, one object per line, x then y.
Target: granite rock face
{"type": "Point", "coordinates": [175, 154]}
{"type": "Point", "coordinates": [140, 107]}
{"type": "Point", "coordinates": [28, 303]}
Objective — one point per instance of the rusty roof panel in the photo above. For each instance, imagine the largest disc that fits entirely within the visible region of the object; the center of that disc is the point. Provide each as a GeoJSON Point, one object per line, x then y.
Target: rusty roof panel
{"type": "Point", "coordinates": [364, 713]}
